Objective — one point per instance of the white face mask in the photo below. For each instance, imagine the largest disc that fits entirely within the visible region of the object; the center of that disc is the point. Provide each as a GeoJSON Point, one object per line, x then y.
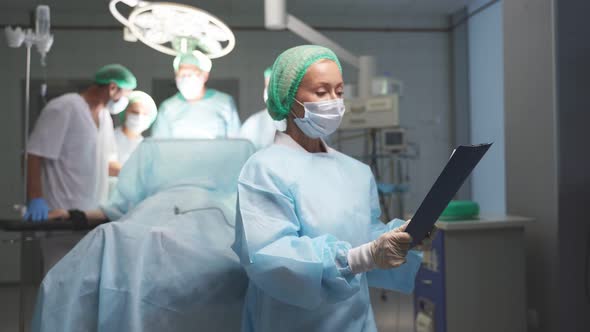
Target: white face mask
{"type": "Point", "coordinates": [116, 107]}
{"type": "Point", "coordinates": [321, 118]}
{"type": "Point", "coordinates": [136, 123]}
{"type": "Point", "coordinates": [190, 86]}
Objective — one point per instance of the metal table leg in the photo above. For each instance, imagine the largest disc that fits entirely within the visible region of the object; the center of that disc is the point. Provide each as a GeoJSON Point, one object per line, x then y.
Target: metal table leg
{"type": "Point", "coordinates": [21, 285]}
{"type": "Point", "coordinates": [24, 238]}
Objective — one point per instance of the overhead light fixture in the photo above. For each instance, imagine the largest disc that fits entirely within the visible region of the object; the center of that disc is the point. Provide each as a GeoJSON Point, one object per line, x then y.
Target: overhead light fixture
{"type": "Point", "coordinates": [175, 28]}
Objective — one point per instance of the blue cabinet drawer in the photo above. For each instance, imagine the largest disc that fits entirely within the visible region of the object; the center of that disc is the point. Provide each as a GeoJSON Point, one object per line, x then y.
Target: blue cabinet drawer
{"type": "Point", "coordinates": [429, 292]}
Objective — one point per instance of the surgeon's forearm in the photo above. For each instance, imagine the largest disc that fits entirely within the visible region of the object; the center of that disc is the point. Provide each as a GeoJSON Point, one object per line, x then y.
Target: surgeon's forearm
{"type": "Point", "coordinates": [34, 185]}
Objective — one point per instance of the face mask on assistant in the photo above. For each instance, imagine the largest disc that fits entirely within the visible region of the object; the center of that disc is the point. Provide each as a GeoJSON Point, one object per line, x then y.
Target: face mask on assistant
{"type": "Point", "coordinates": [136, 123]}
{"type": "Point", "coordinates": [116, 107]}
{"type": "Point", "coordinates": [190, 86]}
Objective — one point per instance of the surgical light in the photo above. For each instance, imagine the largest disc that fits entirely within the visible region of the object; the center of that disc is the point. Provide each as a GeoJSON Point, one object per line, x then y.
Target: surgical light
{"type": "Point", "coordinates": [175, 28]}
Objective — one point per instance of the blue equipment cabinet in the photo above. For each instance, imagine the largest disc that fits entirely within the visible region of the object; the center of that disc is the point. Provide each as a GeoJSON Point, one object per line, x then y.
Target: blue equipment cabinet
{"type": "Point", "coordinates": [473, 278]}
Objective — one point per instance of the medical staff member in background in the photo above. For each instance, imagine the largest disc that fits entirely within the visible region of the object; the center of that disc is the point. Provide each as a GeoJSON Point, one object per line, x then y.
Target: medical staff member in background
{"type": "Point", "coordinates": [196, 111]}
{"type": "Point", "coordinates": [260, 128]}
{"type": "Point", "coordinates": [308, 231]}
{"type": "Point", "coordinates": [137, 118]}
{"type": "Point", "coordinates": [69, 152]}
{"type": "Point", "coordinates": [62, 150]}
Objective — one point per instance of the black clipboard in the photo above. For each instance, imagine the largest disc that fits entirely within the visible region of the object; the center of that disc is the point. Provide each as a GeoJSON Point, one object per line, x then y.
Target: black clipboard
{"type": "Point", "coordinates": [458, 168]}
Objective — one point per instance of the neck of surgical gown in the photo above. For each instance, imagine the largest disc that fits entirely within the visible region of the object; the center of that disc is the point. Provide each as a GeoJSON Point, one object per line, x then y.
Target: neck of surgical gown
{"type": "Point", "coordinates": [298, 215]}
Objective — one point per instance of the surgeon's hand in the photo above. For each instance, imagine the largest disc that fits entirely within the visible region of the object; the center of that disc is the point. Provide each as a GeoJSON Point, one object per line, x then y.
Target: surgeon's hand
{"type": "Point", "coordinates": [402, 228]}
{"type": "Point", "coordinates": [426, 243]}
{"type": "Point", "coordinates": [37, 210]}
{"type": "Point", "coordinates": [390, 249]}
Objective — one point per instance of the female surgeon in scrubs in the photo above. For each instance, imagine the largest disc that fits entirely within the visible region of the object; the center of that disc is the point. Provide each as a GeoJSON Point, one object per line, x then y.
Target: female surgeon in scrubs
{"type": "Point", "coordinates": [308, 231]}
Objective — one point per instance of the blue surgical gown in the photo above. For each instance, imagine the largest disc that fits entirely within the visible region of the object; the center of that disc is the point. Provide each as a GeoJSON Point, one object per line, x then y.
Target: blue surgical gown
{"type": "Point", "coordinates": [214, 116]}
{"type": "Point", "coordinates": [298, 215]}
{"type": "Point", "coordinates": [166, 264]}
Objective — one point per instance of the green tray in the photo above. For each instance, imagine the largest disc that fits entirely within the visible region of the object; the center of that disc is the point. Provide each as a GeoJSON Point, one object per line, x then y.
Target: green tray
{"type": "Point", "coordinates": [460, 210]}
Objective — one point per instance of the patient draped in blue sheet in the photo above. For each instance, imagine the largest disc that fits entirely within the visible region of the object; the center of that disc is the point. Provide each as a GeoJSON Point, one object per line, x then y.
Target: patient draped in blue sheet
{"type": "Point", "coordinates": [166, 263]}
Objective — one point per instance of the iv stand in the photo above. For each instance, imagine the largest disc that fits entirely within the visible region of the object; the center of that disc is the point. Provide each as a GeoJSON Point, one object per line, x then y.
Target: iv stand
{"type": "Point", "coordinates": [26, 120]}
{"type": "Point", "coordinates": [43, 40]}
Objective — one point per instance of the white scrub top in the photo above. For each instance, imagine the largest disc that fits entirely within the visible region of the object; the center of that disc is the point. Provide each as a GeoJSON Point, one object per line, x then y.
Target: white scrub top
{"type": "Point", "coordinates": [125, 145]}
{"type": "Point", "coordinates": [260, 129]}
{"type": "Point", "coordinates": [106, 151]}
{"type": "Point", "coordinates": [65, 136]}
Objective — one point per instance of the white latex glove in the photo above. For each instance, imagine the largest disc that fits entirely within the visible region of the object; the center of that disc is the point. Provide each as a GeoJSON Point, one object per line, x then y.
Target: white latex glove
{"type": "Point", "coordinates": [390, 249]}
{"type": "Point", "coordinates": [426, 244]}
{"type": "Point", "coordinates": [402, 228]}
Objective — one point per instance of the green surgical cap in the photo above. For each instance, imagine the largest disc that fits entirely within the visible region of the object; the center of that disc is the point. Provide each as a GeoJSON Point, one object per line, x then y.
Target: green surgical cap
{"type": "Point", "coordinates": [118, 74]}
{"type": "Point", "coordinates": [147, 102]}
{"type": "Point", "coordinates": [267, 72]}
{"type": "Point", "coordinates": [287, 73]}
{"type": "Point", "coordinates": [196, 58]}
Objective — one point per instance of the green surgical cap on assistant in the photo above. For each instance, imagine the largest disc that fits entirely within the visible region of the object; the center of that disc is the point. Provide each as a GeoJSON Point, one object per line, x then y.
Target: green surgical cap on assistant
{"type": "Point", "coordinates": [196, 59]}
{"type": "Point", "coordinates": [267, 72]}
{"type": "Point", "coordinates": [287, 73]}
{"type": "Point", "coordinates": [118, 74]}
{"type": "Point", "coordinates": [147, 102]}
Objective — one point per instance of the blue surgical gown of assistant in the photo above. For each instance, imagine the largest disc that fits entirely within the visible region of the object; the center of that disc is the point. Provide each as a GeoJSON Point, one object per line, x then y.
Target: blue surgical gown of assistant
{"type": "Point", "coordinates": [298, 215]}
{"type": "Point", "coordinates": [214, 116]}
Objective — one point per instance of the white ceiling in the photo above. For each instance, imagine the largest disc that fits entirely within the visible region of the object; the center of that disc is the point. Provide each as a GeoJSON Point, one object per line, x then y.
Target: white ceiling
{"type": "Point", "coordinates": [343, 13]}
{"type": "Point", "coordinates": [401, 7]}
{"type": "Point", "coordinates": [404, 7]}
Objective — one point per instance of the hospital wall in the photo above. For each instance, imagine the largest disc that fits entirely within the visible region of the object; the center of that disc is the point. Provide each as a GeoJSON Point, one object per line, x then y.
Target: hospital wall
{"type": "Point", "coordinates": [573, 105]}
{"type": "Point", "coordinates": [546, 66]}
{"type": "Point", "coordinates": [486, 89]}
{"type": "Point", "coordinates": [421, 59]}
{"type": "Point", "coordinates": [461, 106]}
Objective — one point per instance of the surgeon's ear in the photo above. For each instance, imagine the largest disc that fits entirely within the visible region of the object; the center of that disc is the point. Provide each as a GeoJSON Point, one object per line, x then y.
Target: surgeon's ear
{"type": "Point", "coordinates": [297, 109]}
{"type": "Point", "coordinates": [113, 89]}
{"type": "Point", "coordinates": [205, 76]}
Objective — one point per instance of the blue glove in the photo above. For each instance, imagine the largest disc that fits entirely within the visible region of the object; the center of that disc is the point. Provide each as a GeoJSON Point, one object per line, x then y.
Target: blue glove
{"type": "Point", "coordinates": [37, 210]}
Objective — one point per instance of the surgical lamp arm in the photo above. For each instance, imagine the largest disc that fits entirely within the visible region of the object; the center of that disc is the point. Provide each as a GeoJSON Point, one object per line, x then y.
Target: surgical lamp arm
{"type": "Point", "coordinates": [308, 33]}
{"type": "Point", "coordinates": [277, 18]}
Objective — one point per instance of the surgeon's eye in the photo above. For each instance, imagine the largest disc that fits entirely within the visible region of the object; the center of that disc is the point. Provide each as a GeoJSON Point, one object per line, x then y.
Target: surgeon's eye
{"type": "Point", "coordinates": [321, 93]}
{"type": "Point", "coordinates": [340, 94]}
